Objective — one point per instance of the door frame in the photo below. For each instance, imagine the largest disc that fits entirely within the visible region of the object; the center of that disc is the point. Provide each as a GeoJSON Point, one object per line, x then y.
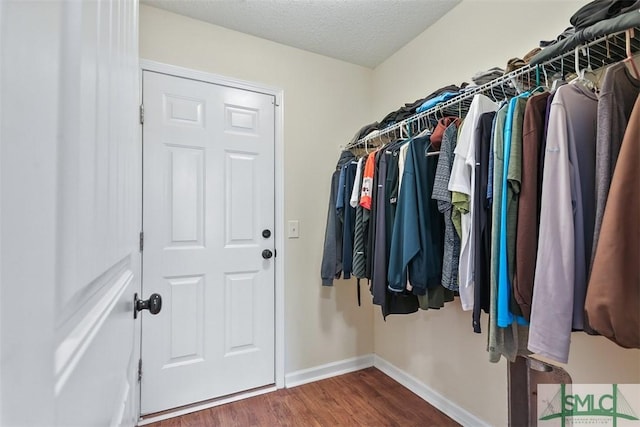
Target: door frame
{"type": "Point", "coordinates": [279, 226]}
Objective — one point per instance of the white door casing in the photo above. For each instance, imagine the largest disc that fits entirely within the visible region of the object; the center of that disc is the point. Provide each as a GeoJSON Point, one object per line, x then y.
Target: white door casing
{"type": "Point", "coordinates": [208, 195]}
{"type": "Point", "coordinates": [70, 196]}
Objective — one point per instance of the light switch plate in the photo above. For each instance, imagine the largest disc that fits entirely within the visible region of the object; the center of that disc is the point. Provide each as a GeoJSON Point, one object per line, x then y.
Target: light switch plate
{"type": "Point", "coordinates": [294, 229]}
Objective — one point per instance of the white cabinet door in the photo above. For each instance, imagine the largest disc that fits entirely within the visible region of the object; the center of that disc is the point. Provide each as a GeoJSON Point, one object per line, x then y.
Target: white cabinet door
{"type": "Point", "coordinates": [208, 190]}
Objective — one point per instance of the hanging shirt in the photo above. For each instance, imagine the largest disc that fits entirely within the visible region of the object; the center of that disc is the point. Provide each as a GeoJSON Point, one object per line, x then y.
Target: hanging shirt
{"type": "Point", "coordinates": [359, 233]}
{"type": "Point", "coordinates": [402, 156]}
{"type": "Point", "coordinates": [451, 254]}
{"type": "Point", "coordinates": [462, 181]}
{"type": "Point", "coordinates": [566, 222]}
{"type": "Point", "coordinates": [390, 302]}
{"type": "Point", "coordinates": [613, 296]}
{"type": "Point", "coordinates": [615, 101]}
{"type": "Point", "coordinates": [348, 214]}
{"type": "Point", "coordinates": [490, 171]}
{"type": "Point", "coordinates": [416, 246]}
{"type": "Point", "coordinates": [379, 265]}
{"type": "Point", "coordinates": [529, 208]}
{"type": "Point", "coordinates": [357, 188]}
{"type": "Point", "coordinates": [482, 220]}
{"type": "Point", "coordinates": [543, 148]}
{"type": "Point", "coordinates": [371, 230]}
{"type": "Point", "coordinates": [511, 173]}
{"type": "Point", "coordinates": [367, 182]}
{"type": "Point", "coordinates": [510, 341]}
{"type": "Point", "coordinates": [331, 266]}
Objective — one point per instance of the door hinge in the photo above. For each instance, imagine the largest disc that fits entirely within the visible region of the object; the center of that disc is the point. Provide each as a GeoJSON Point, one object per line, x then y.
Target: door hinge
{"type": "Point", "coordinates": [141, 114]}
{"type": "Point", "coordinates": [139, 370]}
{"type": "Point", "coordinates": [141, 241]}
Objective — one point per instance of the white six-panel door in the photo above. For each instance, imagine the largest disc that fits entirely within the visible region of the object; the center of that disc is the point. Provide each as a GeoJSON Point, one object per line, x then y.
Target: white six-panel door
{"type": "Point", "coordinates": [208, 190]}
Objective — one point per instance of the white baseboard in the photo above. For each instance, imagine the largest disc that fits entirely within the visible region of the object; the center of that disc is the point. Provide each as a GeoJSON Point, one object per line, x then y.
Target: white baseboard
{"type": "Point", "coordinates": [434, 398]}
{"type": "Point", "coordinates": [328, 370]}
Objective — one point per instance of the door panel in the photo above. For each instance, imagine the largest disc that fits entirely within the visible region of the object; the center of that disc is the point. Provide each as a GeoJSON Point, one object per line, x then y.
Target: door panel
{"type": "Point", "coordinates": [239, 313]}
{"type": "Point", "coordinates": [187, 198]}
{"type": "Point", "coordinates": [240, 211]}
{"type": "Point", "coordinates": [208, 194]}
{"type": "Point", "coordinates": [187, 295]}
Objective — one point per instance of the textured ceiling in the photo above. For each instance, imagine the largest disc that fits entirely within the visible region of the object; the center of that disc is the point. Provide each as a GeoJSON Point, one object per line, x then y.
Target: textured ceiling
{"type": "Point", "coordinates": [363, 32]}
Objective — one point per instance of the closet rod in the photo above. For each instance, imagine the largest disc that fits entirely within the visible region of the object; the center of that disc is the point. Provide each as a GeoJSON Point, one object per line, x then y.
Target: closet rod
{"type": "Point", "coordinates": [608, 50]}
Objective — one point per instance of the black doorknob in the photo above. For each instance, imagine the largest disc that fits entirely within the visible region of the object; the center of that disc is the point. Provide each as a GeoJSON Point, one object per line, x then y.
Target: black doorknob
{"type": "Point", "coordinates": [266, 254]}
{"type": "Point", "coordinates": [153, 304]}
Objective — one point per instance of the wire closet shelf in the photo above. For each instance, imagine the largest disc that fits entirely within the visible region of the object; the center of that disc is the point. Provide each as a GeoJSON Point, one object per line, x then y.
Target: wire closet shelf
{"type": "Point", "coordinates": [591, 55]}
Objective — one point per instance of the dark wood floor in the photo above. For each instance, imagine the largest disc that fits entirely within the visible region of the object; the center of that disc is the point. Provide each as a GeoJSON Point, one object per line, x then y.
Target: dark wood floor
{"type": "Point", "coordinates": [363, 398]}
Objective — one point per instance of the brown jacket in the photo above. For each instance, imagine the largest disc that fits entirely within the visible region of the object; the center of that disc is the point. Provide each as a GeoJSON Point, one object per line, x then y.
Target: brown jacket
{"type": "Point", "coordinates": [529, 208]}
{"type": "Point", "coordinates": [613, 295]}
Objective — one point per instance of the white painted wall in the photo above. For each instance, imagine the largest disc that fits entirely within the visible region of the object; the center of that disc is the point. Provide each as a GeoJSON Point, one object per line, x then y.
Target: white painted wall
{"type": "Point", "coordinates": [325, 102]}
{"type": "Point", "coordinates": [475, 35]}
{"type": "Point", "coordinates": [439, 347]}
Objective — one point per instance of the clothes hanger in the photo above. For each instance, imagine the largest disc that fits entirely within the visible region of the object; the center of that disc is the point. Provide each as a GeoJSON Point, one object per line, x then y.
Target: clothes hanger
{"type": "Point", "coordinates": [559, 81]}
{"type": "Point", "coordinates": [493, 96]}
{"type": "Point", "coordinates": [539, 87]}
{"type": "Point", "coordinates": [628, 35]}
{"type": "Point", "coordinates": [576, 65]}
{"type": "Point", "coordinates": [406, 130]}
{"type": "Point", "coordinates": [595, 78]}
{"type": "Point", "coordinates": [423, 132]}
{"type": "Point", "coordinates": [582, 72]}
{"type": "Point", "coordinates": [428, 153]}
{"type": "Point", "coordinates": [504, 91]}
{"type": "Point", "coordinates": [433, 120]}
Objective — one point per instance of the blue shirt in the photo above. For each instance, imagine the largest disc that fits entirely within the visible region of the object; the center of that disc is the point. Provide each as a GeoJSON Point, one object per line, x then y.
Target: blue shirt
{"type": "Point", "coordinates": [435, 101]}
{"type": "Point", "coordinates": [504, 315]}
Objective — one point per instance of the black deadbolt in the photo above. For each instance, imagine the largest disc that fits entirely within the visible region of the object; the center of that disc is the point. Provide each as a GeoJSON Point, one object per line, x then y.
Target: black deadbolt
{"type": "Point", "coordinates": [153, 304]}
{"type": "Point", "coordinates": [266, 233]}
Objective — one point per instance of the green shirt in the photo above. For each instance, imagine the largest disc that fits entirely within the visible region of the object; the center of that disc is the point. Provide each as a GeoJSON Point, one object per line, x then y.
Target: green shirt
{"type": "Point", "coordinates": [460, 202]}
{"type": "Point", "coordinates": [502, 341]}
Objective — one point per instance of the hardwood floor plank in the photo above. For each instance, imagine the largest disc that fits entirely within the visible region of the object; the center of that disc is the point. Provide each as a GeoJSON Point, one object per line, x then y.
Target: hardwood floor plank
{"type": "Point", "coordinates": [363, 398]}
